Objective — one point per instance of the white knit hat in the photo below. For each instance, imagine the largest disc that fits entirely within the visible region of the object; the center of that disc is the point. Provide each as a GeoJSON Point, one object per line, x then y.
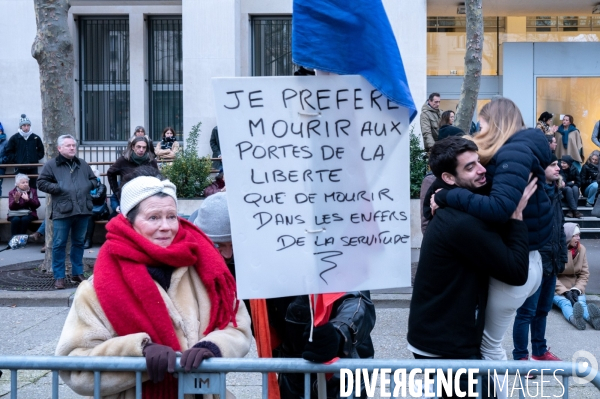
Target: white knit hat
{"type": "Point", "coordinates": [140, 188]}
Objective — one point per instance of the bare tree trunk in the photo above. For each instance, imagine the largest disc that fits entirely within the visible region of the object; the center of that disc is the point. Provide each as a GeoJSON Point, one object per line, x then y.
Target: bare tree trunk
{"type": "Point", "coordinates": [53, 50]}
{"type": "Point", "coordinates": [471, 81]}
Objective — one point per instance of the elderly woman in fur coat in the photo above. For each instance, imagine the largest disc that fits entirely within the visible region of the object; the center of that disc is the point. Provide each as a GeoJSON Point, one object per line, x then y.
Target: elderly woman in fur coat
{"type": "Point", "coordinates": [159, 286]}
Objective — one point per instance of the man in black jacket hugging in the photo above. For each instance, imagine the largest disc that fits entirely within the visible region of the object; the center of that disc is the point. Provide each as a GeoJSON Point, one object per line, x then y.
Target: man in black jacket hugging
{"type": "Point", "coordinates": [459, 253]}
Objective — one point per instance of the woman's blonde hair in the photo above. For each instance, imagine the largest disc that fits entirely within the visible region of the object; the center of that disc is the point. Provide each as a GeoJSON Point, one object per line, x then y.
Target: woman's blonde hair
{"type": "Point", "coordinates": [504, 119]}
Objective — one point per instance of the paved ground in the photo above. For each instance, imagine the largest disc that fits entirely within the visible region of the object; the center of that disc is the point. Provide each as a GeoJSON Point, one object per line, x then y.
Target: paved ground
{"type": "Point", "coordinates": [35, 331]}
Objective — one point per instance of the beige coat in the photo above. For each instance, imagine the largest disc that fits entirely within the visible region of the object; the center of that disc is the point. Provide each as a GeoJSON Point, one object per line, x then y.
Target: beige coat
{"type": "Point", "coordinates": [574, 146]}
{"type": "Point", "coordinates": [166, 155]}
{"type": "Point", "coordinates": [430, 125]}
{"type": "Point", "coordinates": [87, 332]}
{"type": "Point", "coordinates": [576, 273]}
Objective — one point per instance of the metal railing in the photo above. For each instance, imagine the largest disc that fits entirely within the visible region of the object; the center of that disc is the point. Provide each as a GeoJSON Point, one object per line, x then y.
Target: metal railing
{"type": "Point", "coordinates": [210, 377]}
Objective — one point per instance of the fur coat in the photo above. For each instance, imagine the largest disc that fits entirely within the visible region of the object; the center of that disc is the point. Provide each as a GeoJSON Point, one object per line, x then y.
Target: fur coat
{"type": "Point", "coordinates": [87, 332]}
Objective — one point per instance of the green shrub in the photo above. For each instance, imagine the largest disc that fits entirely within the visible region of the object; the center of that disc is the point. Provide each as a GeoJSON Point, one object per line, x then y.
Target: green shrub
{"type": "Point", "coordinates": [189, 172]}
{"type": "Point", "coordinates": [418, 165]}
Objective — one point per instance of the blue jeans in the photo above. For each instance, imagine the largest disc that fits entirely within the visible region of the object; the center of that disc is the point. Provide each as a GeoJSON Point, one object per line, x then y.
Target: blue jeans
{"type": "Point", "coordinates": [42, 229]}
{"type": "Point", "coordinates": [590, 192]}
{"type": "Point", "coordinates": [571, 195]}
{"type": "Point", "coordinates": [567, 309]}
{"type": "Point", "coordinates": [19, 224]}
{"type": "Point", "coordinates": [533, 313]}
{"type": "Point", "coordinates": [77, 225]}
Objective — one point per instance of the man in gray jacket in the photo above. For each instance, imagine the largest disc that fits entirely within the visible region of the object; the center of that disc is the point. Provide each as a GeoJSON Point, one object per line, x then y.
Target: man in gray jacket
{"type": "Point", "coordinates": [430, 120]}
{"type": "Point", "coordinates": [69, 180]}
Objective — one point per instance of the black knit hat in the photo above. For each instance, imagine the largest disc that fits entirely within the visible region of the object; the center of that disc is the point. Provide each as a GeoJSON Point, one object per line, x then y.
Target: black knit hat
{"type": "Point", "coordinates": [568, 159]}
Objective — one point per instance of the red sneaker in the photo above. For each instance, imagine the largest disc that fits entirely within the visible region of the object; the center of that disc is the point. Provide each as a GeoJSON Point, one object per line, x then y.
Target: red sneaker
{"type": "Point", "coordinates": [526, 375]}
{"type": "Point", "coordinates": [546, 356]}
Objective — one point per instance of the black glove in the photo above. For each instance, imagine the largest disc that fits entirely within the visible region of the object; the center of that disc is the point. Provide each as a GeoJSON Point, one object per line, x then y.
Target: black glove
{"type": "Point", "coordinates": [574, 295]}
{"type": "Point", "coordinates": [191, 358]}
{"type": "Point", "coordinates": [159, 359]}
{"type": "Point", "coordinates": [325, 345]}
{"type": "Point", "coordinates": [569, 296]}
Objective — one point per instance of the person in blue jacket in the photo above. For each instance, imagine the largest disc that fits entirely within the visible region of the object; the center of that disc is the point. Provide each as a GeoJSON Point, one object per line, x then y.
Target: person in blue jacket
{"type": "Point", "coordinates": [512, 155]}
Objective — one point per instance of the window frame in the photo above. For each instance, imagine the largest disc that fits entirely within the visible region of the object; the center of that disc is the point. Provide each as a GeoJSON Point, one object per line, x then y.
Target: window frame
{"type": "Point", "coordinates": [83, 81]}
{"type": "Point", "coordinates": [172, 86]}
{"type": "Point", "coordinates": [253, 22]}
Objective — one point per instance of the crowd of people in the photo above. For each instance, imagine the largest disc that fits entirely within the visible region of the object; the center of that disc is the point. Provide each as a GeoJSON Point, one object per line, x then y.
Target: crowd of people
{"type": "Point", "coordinates": [579, 176]}
{"type": "Point", "coordinates": [163, 284]}
{"type": "Point", "coordinates": [500, 187]}
{"type": "Point", "coordinates": [26, 147]}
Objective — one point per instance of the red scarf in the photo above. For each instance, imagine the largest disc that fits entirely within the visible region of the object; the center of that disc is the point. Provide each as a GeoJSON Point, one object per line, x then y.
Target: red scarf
{"type": "Point", "coordinates": [574, 250]}
{"type": "Point", "coordinates": [131, 300]}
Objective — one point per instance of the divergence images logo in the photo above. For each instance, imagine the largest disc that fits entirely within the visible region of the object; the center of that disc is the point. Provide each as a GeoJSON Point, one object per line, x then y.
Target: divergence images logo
{"type": "Point", "coordinates": [582, 365]}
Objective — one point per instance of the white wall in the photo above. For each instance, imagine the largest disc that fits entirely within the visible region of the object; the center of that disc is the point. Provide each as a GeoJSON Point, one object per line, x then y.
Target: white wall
{"type": "Point", "coordinates": [19, 73]}
{"type": "Point", "coordinates": [211, 37]}
{"type": "Point", "coordinates": [409, 22]}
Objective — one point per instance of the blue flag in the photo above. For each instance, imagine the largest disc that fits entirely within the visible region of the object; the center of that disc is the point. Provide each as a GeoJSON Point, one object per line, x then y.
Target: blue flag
{"type": "Point", "coordinates": [351, 38]}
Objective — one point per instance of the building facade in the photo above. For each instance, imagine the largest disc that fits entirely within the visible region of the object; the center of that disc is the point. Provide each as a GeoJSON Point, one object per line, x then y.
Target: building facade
{"type": "Point", "coordinates": [150, 62]}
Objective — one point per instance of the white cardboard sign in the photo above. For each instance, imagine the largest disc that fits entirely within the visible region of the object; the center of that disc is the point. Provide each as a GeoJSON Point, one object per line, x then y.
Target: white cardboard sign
{"type": "Point", "coordinates": [317, 177]}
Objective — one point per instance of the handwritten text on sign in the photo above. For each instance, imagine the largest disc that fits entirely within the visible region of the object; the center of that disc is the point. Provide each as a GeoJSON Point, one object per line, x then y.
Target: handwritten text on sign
{"type": "Point", "coordinates": [317, 175]}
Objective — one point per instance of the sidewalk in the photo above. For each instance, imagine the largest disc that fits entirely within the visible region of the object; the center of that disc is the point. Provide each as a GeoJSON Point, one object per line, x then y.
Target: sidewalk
{"type": "Point", "coordinates": [35, 331]}
{"type": "Point", "coordinates": [31, 252]}
{"type": "Point", "coordinates": [384, 299]}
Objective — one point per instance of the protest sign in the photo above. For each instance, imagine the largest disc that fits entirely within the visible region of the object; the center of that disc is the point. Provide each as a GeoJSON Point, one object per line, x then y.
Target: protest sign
{"type": "Point", "coordinates": [317, 177]}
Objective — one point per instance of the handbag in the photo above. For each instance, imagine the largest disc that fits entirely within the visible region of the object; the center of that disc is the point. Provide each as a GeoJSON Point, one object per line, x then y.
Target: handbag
{"type": "Point", "coordinates": [16, 242]}
{"type": "Point", "coordinates": [19, 212]}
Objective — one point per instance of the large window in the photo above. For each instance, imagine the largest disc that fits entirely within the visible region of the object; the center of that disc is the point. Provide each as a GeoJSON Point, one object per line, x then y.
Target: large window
{"type": "Point", "coordinates": [572, 96]}
{"type": "Point", "coordinates": [447, 45]}
{"type": "Point", "coordinates": [272, 46]}
{"type": "Point", "coordinates": [165, 75]}
{"type": "Point", "coordinates": [104, 79]}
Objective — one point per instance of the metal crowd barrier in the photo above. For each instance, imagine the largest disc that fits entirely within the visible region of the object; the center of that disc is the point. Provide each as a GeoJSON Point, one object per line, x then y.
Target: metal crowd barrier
{"type": "Point", "coordinates": [210, 377]}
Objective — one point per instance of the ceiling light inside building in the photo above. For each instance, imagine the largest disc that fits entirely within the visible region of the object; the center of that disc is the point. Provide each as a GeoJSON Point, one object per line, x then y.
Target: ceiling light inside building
{"type": "Point", "coordinates": [461, 9]}
{"type": "Point", "coordinates": [596, 9]}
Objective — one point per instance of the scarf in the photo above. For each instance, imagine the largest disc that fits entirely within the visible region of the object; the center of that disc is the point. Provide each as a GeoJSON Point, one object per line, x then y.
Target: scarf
{"type": "Point", "coordinates": [23, 191]}
{"type": "Point", "coordinates": [25, 135]}
{"type": "Point", "coordinates": [544, 127]}
{"type": "Point", "coordinates": [574, 250]}
{"type": "Point", "coordinates": [131, 300]}
{"type": "Point", "coordinates": [167, 143]}
{"type": "Point", "coordinates": [140, 160]}
{"type": "Point", "coordinates": [565, 134]}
